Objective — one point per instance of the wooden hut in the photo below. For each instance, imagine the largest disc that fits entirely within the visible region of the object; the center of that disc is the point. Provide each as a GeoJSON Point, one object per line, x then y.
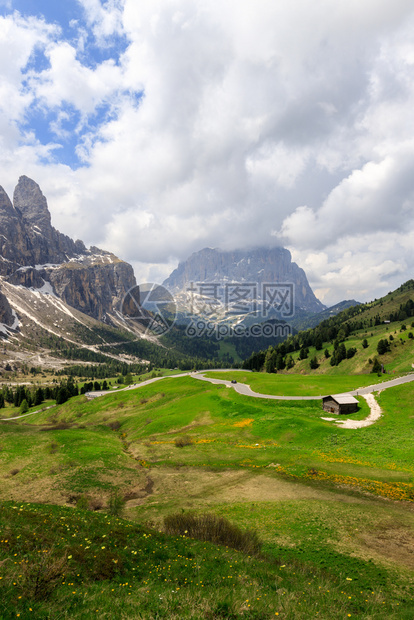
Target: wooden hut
{"type": "Point", "coordinates": [340, 404]}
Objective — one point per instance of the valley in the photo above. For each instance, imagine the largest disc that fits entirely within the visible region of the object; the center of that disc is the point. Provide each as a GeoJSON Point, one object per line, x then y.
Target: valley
{"type": "Point", "coordinates": [333, 507]}
{"type": "Point", "coordinates": [191, 475]}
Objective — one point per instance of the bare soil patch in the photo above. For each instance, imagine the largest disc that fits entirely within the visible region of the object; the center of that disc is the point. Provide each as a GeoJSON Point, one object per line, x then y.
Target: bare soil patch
{"type": "Point", "coordinates": [391, 541]}
{"type": "Point", "coordinates": [185, 487]}
{"type": "Point", "coordinates": [204, 419]}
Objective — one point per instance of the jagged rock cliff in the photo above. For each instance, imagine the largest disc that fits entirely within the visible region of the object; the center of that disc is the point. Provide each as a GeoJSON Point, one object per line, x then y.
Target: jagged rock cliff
{"type": "Point", "coordinates": [6, 312]}
{"type": "Point", "coordinates": [35, 255]}
{"type": "Point", "coordinates": [261, 265]}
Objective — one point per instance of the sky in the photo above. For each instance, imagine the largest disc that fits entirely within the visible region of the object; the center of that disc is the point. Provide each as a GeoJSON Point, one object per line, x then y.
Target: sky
{"type": "Point", "coordinates": [156, 129]}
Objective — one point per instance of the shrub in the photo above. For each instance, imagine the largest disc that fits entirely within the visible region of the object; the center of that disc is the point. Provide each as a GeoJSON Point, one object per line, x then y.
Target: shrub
{"type": "Point", "coordinates": [115, 425]}
{"type": "Point", "coordinates": [82, 502]}
{"type": "Point", "coordinates": [180, 442]}
{"type": "Point", "coordinates": [53, 447]}
{"type": "Point", "coordinates": [350, 352]}
{"type": "Point", "coordinates": [42, 577]}
{"type": "Point", "coordinates": [314, 363]}
{"type": "Point", "coordinates": [210, 527]}
{"type": "Point", "coordinates": [116, 503]}
{"type": "Point", "coordinates": [383, 346]}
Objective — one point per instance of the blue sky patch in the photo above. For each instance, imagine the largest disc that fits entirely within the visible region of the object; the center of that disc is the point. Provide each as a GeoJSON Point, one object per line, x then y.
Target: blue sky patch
{"type": "Point", "coordinates": [64, 125]}
{"type": "Point", "coordinates": [45, 123]}
{"type": "Point", "coordinates": [54, 12]}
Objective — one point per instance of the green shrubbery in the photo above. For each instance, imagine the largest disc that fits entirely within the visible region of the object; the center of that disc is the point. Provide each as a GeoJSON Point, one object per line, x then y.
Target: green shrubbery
{"type": "Point", "coordinates": [181, 442]}
{"type": "Point", "coordinates": [210, 527]}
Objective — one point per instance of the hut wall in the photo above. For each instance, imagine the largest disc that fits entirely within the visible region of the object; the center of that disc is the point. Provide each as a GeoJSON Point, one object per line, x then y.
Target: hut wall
{"type": "Point", "coordinates": [331, 406]}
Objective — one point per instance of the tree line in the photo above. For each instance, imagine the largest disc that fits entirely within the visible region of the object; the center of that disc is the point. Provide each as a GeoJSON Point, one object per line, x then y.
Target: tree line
{"type": "Point", "coordinates": [25, 397]}
{"type": "Point", "coordinates": [333, 330]}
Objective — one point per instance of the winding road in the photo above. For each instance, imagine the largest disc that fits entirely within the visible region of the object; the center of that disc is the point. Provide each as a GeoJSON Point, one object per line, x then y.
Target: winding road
{"type": "Point", "coordinates": [246, 390]}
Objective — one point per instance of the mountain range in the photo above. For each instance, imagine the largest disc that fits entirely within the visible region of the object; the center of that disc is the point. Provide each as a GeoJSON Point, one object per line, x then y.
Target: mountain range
{"type": "Point", "coordinates": [55, 293]}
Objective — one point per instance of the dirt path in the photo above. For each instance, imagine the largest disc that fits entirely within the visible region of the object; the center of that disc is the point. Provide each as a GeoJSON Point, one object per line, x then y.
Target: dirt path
{"type": "Point", "coordinates": [24, 415]}
{"type": "Point", "coordinates": [376, 413]}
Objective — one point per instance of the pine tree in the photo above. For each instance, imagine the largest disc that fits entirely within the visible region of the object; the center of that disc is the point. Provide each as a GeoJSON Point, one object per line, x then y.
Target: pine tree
{"type": "Point", "coordinates": [24, 407]}
{"type": "Point", "coordinates": [376, 367]}
{"type": "Point", "coordinates": [38, 397]}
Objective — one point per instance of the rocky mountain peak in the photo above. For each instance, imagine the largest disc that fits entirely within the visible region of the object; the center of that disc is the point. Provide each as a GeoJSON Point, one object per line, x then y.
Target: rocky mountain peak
{"type": "Point", "coordinates": [35, 255]}
{"type": "Point", "coordinates": [30, 201]}
{"type": "Point", "coordinates": [6, 207]}
{"type": "Point", "coordinates": [258, 266]}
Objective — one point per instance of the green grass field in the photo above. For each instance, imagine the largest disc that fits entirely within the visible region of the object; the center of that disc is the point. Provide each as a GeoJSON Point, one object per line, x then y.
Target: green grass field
{"type": "Point", "coordinates": [72, 564]}
{"type": "Point", "coordinates": [333, 507]}
{"type": "Point", "coordinates": [299, 385]}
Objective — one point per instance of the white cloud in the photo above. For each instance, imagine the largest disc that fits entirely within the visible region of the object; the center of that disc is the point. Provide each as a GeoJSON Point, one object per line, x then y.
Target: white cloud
{"type": "Point", "coordinates": [361, 268]}
{"type": "Point", "coordinates": [105, 19]}
{"type": "Point", "coordinates": [224, 123]}
{"type": "Point", "coordinates": [378, 197]}
{"type": "Point", "coordinates": [68, 81]}
{"type": "Point", "coordinates": [19, 39]}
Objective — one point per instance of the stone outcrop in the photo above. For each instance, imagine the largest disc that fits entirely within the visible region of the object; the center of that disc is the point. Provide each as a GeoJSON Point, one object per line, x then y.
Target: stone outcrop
{"type": "Point", "coordinates": [92, 287]}
{"type": "Point", "coordinates": [35, 255]}
{"type": "Point", "coordinates": [6, 313]}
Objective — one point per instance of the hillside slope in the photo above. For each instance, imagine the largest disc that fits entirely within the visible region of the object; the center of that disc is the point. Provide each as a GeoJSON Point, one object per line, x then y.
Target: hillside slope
{"type": "Point", "coordinates": [380, 332]}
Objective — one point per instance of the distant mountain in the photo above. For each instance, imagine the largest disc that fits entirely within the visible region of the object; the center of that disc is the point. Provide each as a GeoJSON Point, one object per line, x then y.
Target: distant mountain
{"type": "Point", "coordinates": [256, 268]}
{"type": "Point", "coordinates": [312, 320]}
{"type": "Point", "coordinates": [35, 255]}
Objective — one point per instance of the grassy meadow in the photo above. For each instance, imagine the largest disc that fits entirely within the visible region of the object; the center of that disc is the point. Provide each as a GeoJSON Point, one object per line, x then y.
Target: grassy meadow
{"type": "Point", "coordinates": [334, 508]}
{"type": "Point", "coordinates": [284, 384]}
